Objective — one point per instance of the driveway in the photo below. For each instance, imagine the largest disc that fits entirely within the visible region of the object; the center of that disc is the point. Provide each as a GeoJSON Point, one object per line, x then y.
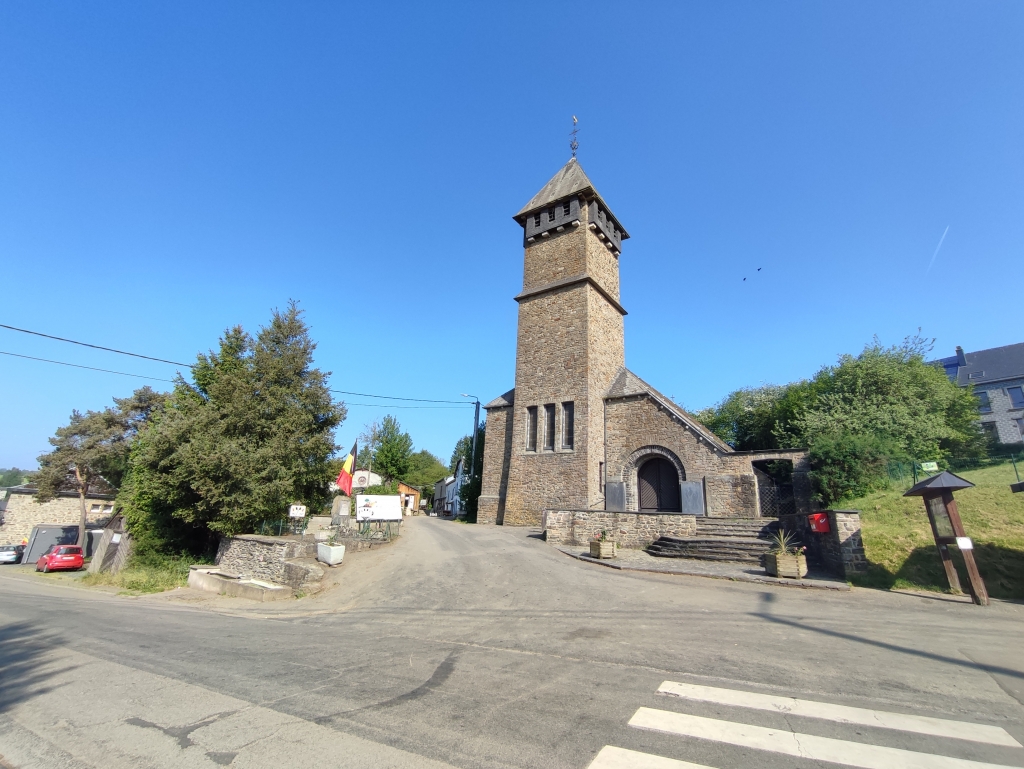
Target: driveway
{"type": "Point", "coordinates": [475, 646]}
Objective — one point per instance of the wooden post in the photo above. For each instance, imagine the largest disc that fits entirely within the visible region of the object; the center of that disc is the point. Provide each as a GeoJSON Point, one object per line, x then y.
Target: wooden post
{"type": "Point", "coordinates": [947, 561]}
{"type": "Point", "coordinates": [978, 592]}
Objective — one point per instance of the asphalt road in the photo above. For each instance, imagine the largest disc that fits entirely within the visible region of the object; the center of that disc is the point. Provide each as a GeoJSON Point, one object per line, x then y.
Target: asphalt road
{"type": "Point", "coordinates": [475, 646]}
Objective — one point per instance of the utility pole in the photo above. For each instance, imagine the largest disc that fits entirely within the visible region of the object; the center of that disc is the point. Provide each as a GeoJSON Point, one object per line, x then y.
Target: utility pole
{"type": "Point", "coordinates": [476, 426]}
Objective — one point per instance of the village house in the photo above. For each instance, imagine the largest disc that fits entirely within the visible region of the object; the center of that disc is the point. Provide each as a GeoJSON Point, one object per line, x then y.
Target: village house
{"type": "Point", "coordinates": [20, 512]}
{"type": "Point", "coordinates": [581, 432]}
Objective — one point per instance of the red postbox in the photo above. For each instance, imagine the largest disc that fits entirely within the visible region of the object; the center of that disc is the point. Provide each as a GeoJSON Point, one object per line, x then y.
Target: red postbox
{"type": "Point", "coordinates": [819, 523]}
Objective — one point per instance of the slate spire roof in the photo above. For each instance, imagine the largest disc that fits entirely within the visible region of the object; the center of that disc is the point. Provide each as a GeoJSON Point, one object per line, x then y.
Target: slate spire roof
{"type": "Point", "coordinates": [570, 180]}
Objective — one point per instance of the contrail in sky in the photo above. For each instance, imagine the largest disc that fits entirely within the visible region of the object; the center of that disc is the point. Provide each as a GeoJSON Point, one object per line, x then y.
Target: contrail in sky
{"type": "Point", "coordinates": [937, 250]}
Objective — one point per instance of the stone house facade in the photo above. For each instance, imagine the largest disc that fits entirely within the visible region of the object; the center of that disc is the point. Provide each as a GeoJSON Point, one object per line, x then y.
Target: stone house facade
{"type": "Point", "coordinates": [997, 376]}
{"type": "Point", "coordinates": [579, 431]}
{"type": "Point", "coordinates": [20, 512]}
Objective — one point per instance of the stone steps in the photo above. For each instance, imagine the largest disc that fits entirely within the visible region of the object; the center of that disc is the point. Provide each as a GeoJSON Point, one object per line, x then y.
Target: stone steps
{"type": "Point", "coordinates": [760, 528]}
{"type": "Point", "coordinates": [737, 540]}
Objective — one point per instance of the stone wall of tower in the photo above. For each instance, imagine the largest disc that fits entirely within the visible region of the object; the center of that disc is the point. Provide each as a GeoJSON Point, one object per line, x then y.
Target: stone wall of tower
{"type": "Point", "coordinates": [570, 348]}
{"type": "Point", "coordinates": [497, 453]}
{"type": "Point", "coordinates": [551, 362]}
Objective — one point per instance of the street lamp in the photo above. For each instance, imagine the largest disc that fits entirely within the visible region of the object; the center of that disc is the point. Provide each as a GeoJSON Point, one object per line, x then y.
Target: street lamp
{"type": "Point", "coordinates": [476, 423]}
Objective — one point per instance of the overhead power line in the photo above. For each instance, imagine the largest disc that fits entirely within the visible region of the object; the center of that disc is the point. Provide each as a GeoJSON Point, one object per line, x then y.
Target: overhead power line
{"type": "Point", "coordinates": [189, 366]}
{"type": "Point", "coordinates": [401, 406]}
{"type": "Point", "coordinates": [98, 347]}
{"type": "Point", "coordinates": [396, 398]}
{"type": "Point", "coordinates": [91, 368]}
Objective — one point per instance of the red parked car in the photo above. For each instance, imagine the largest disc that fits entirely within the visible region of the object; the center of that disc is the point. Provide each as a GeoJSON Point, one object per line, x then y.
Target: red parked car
{"type": "Point", "coordinates": [61, 557]}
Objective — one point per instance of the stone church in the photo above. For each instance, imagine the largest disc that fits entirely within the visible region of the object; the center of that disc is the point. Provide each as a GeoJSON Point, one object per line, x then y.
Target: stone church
{"type": "Point", "coordinates": [580, 431]}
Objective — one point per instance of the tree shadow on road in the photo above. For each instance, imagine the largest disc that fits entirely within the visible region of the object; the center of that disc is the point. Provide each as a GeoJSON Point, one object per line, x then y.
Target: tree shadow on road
{"type": "Point", "coordinates": [25, 671]}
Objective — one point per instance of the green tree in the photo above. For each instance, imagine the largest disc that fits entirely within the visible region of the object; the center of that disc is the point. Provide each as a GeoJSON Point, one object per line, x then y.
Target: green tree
{"type": "Point", "coordinates": [425, 470]}
{"type": "Point", "coordinates": [13, 476]}
{"type": "Point", "coordinates": [394, 451]}
{"type": "Point", "coordinates": [470, 491]}
{"type": "Point", "coordinates": [885, 402]}
{"type": "Point", "coordinates": [92, 447]}
{"type": "Point", "coordinates": [252, 434]}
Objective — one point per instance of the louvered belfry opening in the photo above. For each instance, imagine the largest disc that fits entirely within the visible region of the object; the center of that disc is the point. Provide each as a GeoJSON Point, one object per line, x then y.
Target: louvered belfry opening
{"type": "Point", "coordinates": [658, 484]}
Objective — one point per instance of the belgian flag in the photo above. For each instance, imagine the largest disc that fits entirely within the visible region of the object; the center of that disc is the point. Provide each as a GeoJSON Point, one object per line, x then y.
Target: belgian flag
{"type": "Point", "coordinates": [345, 476]}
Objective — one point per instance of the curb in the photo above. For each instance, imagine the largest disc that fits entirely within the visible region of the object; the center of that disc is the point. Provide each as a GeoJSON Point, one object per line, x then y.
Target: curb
{"type": "Point", "coordinates": [838, 587]}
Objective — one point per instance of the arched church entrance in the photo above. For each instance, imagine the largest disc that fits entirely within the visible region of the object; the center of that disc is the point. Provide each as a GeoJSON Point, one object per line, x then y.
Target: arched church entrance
{"type": "Point", "coordinates": [658, 486]}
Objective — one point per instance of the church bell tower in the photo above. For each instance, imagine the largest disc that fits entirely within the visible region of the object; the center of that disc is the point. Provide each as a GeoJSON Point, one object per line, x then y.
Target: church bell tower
{"type": "Point", "coordinates": [569, 351]}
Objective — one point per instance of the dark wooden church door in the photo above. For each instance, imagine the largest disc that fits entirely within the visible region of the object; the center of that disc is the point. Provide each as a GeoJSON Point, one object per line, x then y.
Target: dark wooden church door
{"type": "Point", "coordinates": [659, 486]}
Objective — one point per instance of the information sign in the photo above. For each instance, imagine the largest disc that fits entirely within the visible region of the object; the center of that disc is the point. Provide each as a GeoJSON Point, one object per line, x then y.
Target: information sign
{"type": "Point", "coordinates": [378, 507]}
{"type": "Point", "coordinates": [297, 511]}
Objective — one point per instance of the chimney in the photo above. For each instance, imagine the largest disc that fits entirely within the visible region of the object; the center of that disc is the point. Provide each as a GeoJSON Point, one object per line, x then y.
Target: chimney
{"type": "Point", "coordinates": [961, 359]}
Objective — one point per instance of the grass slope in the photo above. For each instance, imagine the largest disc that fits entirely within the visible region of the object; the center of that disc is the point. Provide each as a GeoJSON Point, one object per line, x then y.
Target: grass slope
{"type": "Point", "coordinates": [899, 546]}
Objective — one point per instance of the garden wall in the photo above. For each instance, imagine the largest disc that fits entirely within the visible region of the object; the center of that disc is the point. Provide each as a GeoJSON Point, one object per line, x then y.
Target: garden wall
{"type": "Point", "coordinates": [637, 530]}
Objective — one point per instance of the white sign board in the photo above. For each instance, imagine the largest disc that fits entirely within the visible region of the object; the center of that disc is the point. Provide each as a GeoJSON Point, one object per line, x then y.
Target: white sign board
{"type": "Point", "coordinates": [378, 507]}
{"type": "Point", "coordinates": [930, 467]}
{"type": "Point", "coordinates": [297, 511]}
{"type": "Point", "coordinates": [964, 543]}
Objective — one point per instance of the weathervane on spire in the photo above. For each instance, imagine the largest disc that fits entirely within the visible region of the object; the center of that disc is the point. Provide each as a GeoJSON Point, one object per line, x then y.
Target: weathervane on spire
{"type": "Point", "coordinates": [573, 144]}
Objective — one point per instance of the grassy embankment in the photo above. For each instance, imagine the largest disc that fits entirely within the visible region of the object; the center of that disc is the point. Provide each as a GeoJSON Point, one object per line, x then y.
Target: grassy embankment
{"type": "Point", "coordinates": [150, 574]}
{"type": "Point", "coordinates": [899, 546]}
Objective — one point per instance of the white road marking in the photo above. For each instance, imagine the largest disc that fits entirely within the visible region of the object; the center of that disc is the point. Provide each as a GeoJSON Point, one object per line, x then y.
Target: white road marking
{"type": "Point", "coordinates": [843, 714]}
{"type": "Point", "coordinates": [799, 745]}
{"type": "Point", "coordinates": [611, 757]}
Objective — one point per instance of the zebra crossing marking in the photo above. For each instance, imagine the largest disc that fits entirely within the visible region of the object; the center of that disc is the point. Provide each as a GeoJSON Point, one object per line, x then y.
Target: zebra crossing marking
{"type": "Point", "coordinates": [806, 746]}
{"type": "Point", "coordinates": [843, 714]}
{"type": "Point", "coordinates": [611, 757]}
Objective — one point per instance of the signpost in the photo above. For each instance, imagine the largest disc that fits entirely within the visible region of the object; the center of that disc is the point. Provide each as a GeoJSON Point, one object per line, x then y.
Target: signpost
{"type": "Point", "coordinates": [297, 511]}
{"type": "Point", "coordinates": [948, 529]}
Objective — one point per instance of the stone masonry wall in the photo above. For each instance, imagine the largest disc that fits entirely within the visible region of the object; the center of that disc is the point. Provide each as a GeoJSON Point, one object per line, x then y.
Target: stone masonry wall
{"type": "Point", "coordinates": [730, 487]}
{"type": "Point", "coordinates": [636, 422]}
{"type": "Point", "coordinates": [23, 512]}
{"type": "Point", "coordinates": [256, 557]}
{"type": "Point", "coordinates": [841, 550]}
{"type": "Point", "coordinates": [635, 530]}
{"type": "Point", "coordinates": [497, 453]}
{"type": "Point", "coordinates": [569, 348]}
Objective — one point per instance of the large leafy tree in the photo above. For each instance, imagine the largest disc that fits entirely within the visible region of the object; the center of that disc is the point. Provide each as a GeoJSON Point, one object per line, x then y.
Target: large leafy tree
{"type": "Point", "coordinates": [887, 402]}
{"type": "Point", "coordinates": [253, 433]}
{"type": "Point", "coordinates": [394, 451]}
{"type": "Point", "coordinates": [93, 448]}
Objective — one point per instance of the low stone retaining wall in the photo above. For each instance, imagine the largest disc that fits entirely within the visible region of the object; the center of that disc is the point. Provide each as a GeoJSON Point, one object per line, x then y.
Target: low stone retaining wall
{"type": "Point", "coordinates": [578, 527]}
{"type": "Point", "coordinates": [841, 550]}
{"type": "Point", "coordinates": [256, 557]}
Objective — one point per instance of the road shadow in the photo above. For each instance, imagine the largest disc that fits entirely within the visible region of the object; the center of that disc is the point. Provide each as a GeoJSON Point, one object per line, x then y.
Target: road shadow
{"type": "Point", "coordinates": [24, 670]}
{"type": "Point", "coordinates": [1002, 568]}
{"type": "Point", "coordinates": [769, 598]}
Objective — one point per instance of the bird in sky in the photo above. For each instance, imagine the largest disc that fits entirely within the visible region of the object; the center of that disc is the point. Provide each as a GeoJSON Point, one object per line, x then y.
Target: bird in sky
{"type": "Point", "coordinates": [744, 279]}
{"type": "Point", "coordinates": [758, 269]}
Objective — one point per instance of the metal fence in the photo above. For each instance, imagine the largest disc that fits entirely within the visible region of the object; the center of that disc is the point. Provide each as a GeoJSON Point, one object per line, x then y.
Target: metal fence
{"type": "Point", "coordinates": [1001, 470]}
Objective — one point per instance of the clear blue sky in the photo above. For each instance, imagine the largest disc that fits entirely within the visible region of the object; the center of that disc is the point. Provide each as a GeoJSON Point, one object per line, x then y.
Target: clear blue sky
{"type": "Point", "coordinates": [170, 169]}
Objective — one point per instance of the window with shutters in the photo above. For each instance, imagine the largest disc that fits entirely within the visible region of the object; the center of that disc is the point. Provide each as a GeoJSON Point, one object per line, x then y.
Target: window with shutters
{"type": "Point", "coordinates": [549, 427]}
{"type": "Point", "coordinates": [566, 208]}
{"type": "Point", "coordinates": [568, 424]}
{"type": "Point", "coordinates": [536, 220]}
{"type": "Point", "coordinates": [551, 214]}
{"type": "Point", "coordinates": [531, 428]}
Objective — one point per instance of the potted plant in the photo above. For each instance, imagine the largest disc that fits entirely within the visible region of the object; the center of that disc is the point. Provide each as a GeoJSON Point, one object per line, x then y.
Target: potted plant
{"type": "Point", "coordinates": [330, 552]}
{"type": "Point", "coordinates": [602, 547]}
{"type": "Point", "coordinates": [786, 557]}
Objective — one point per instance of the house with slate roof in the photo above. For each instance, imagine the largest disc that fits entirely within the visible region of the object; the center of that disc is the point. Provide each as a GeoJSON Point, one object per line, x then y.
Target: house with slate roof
{"type": "Point", "coordinates": [580, 431]}
{"type": "Point", "coordinates": [997, 375]}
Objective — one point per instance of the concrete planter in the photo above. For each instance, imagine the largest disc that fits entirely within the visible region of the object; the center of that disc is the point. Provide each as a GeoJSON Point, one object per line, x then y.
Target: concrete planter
{"type": "Point", "coordinates": [330, 554]}
{"type": "Point", "coordinates": [599, 549]}
{"type": "Point", "coordinates": [786, 565]}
